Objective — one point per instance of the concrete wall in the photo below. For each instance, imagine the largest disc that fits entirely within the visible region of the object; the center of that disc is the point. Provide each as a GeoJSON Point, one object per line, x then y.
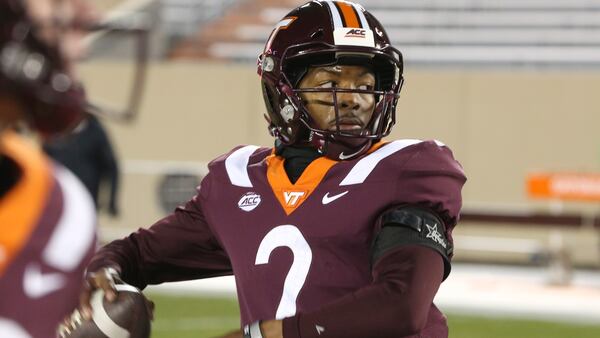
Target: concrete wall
{"type": "Point", "coordinates": [501, 125]}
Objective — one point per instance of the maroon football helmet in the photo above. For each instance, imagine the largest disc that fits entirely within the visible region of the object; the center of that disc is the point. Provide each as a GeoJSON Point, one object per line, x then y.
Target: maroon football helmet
{"type": "Point", "coordinates": [325, 33]}
{"type": "Point", "coordinates": [35, 71]}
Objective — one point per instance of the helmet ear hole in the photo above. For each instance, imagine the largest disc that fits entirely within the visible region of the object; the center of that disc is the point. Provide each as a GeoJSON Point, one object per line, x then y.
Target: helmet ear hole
{"type": "Point", "coordinates": [288, 113]}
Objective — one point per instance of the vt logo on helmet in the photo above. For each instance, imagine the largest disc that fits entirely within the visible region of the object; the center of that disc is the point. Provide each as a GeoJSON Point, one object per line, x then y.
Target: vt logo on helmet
{"type": "Point", "coordinates": [330, 34]}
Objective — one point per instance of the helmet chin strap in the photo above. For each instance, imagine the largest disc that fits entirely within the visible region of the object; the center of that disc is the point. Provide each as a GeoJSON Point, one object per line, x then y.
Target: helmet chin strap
{"type": "Point", "coordinates": [345, 148]}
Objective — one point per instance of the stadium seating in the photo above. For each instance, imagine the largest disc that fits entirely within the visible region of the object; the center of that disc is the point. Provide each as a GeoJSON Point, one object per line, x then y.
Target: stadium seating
{"type": "Point", "coordinates": [433, 32]}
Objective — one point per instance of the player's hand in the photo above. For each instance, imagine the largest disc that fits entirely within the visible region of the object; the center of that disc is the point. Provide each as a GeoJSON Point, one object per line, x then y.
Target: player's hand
{"type": "Point", "coordinates": [271, 328]}
{"type": "Point", "coordinates": [103, 279]}
{"type": "Point", "coordinates": [127, 307]}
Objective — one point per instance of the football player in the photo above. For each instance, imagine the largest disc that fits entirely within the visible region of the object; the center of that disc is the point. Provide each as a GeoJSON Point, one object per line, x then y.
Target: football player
{"type": "Point", "coordinates": [47, 219]}
{"type": "Point", "coordinates": [333, 232]}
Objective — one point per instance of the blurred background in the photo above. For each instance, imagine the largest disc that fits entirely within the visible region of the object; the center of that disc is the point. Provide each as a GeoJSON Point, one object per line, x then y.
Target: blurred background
{"type": "Point", "coordinates": [512, 87]}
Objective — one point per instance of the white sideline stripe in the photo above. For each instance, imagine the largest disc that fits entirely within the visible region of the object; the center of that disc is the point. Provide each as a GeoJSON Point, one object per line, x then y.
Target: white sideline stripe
{"type": "Point", "coordinates": [159, 167]}
{"type": "Point", "coordinates": [363, 168]}
{"type": "Point", "coordinates": [237, 166]}
{"type": "Point", "coordinates": [74, 232]}
{"type": "Point", "coordinates": [103, 321]}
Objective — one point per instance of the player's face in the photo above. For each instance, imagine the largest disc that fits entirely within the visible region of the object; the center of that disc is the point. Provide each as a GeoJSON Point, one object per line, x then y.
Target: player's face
{"type": "Point", "coordinates": [355, 109]}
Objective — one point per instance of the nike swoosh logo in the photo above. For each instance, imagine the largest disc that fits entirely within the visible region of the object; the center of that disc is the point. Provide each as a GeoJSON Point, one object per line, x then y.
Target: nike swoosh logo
{"type": "Point", "coordinates": [37, 284]}
{"type": "Point", "coordinates": [343, 156]}
{"type": "Point", "coordinates": [320, 329]}
{"type": "Point", "coordinates": [328, 199]}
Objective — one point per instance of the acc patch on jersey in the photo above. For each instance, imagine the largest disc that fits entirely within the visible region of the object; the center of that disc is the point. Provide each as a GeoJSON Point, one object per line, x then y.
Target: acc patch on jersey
{"type": "Point", "coordinates": [249, 201]}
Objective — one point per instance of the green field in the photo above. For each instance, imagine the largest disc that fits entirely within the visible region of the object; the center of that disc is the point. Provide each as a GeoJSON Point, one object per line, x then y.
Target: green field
{"type": "Point", "coordinates": [191, 316]}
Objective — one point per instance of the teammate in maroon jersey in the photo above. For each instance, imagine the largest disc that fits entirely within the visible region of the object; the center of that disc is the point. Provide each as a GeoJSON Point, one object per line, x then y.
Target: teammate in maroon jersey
{"type": "Point", "coordinates": [47, 219]}
{"type": "Point", "coordinates": [333, 232]}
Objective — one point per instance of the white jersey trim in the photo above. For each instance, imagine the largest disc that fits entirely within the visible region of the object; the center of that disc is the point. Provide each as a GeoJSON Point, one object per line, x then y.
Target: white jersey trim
{"type": "Point", "coordinates": [75, 230]}
{"type": "Point", "coordinates": [10, 328]}
{"type": "Point", "coordinates": [363, 168]}
{"type": "Point", "coordinates": [237, 166]}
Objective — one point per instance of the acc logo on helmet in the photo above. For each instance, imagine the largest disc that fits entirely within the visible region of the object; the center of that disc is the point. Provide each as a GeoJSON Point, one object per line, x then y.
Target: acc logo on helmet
{"type": "Point", "coordinates": [354, 37]}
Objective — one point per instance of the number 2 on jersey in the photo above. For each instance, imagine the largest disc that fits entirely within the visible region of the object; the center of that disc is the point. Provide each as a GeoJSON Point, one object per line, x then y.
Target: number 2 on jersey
{"type": "Point", "coordinates": [287, 236]}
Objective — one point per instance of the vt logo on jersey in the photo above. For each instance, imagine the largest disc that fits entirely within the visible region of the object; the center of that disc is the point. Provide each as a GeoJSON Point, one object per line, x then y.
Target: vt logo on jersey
{"type": "Point", "coordinates": [293, 197]}
{"type": "Point", "coordinates": [356, 33]}
{"type": "Point", "coordinates": [249, 201]}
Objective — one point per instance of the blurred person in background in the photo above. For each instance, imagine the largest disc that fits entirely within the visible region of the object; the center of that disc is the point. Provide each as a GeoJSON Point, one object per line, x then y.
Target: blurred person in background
{"type": "Point", "coordinates": [47, 218]}
{"type": "Point", "coordinates": [88, 153]}
{"type": "Point", "coordinates": [333, 232]}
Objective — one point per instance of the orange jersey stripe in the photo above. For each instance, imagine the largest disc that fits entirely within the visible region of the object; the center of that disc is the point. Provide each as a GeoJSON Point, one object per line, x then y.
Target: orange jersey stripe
{"type": "Point", "coordinates": [377, 146]}
{"type": "Point", "coordinates": [350, 17]}
{"type": "Point", "coordinates": [289, 195]}
{"type": "Point", "coordinates": [22, 206]}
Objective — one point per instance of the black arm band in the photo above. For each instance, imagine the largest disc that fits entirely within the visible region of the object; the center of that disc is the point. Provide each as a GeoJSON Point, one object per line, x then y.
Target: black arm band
{"type": "Point", "coordinates": [409, 225]}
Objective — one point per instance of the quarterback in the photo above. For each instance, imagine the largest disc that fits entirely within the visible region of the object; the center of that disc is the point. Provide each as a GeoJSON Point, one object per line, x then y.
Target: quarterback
{"type": "Point", "coordinates": [47, 218]}
{"type": "Point", "coordinates": [333, 232]}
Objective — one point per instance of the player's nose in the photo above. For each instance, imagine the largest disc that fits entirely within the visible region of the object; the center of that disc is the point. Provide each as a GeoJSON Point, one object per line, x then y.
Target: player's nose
{"type": "Point", "coordinates": [348, 101]}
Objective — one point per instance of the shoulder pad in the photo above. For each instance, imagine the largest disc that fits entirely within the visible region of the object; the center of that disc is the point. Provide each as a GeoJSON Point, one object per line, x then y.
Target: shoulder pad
{"type": "Point", "coordinates": [233, 166]}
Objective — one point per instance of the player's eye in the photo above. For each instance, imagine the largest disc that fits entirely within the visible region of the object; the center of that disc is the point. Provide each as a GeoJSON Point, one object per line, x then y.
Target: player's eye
{"type": "Point", "coordinates": [327, 84]}
{"type": "Point", "coordinates": [365, 87]}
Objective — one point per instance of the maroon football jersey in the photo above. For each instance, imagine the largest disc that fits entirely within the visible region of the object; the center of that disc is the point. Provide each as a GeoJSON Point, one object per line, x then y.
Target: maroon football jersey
{"type": "Point", "coordinates": [47, 235]}
{"type": "Point", "coordinates": [295, 247]}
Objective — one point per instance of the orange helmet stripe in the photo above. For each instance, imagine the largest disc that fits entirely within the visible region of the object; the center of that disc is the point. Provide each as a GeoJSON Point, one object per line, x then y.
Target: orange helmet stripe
{"type": "Point", "coordinates": [348, 14]}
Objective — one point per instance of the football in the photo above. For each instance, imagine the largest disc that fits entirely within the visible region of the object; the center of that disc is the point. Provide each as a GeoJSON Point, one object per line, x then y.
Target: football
{"type": "Point", "coordinates": [128, 316]}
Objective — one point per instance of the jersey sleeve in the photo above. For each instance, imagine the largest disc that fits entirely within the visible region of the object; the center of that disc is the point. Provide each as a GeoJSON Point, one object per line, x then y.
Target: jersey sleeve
{"type": "Point", "coordinates": [398, 303]}
{"type": "Point", "coordinates": [178, 247]}
{"type": "Point", "coordinates": [433, 179]}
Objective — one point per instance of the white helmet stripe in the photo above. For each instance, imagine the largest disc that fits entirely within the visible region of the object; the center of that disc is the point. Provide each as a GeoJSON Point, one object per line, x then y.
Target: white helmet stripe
{"type": "Point", "coordinates": [361, 15]}
{"type": "Point", "coordinates": [335, 14]}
